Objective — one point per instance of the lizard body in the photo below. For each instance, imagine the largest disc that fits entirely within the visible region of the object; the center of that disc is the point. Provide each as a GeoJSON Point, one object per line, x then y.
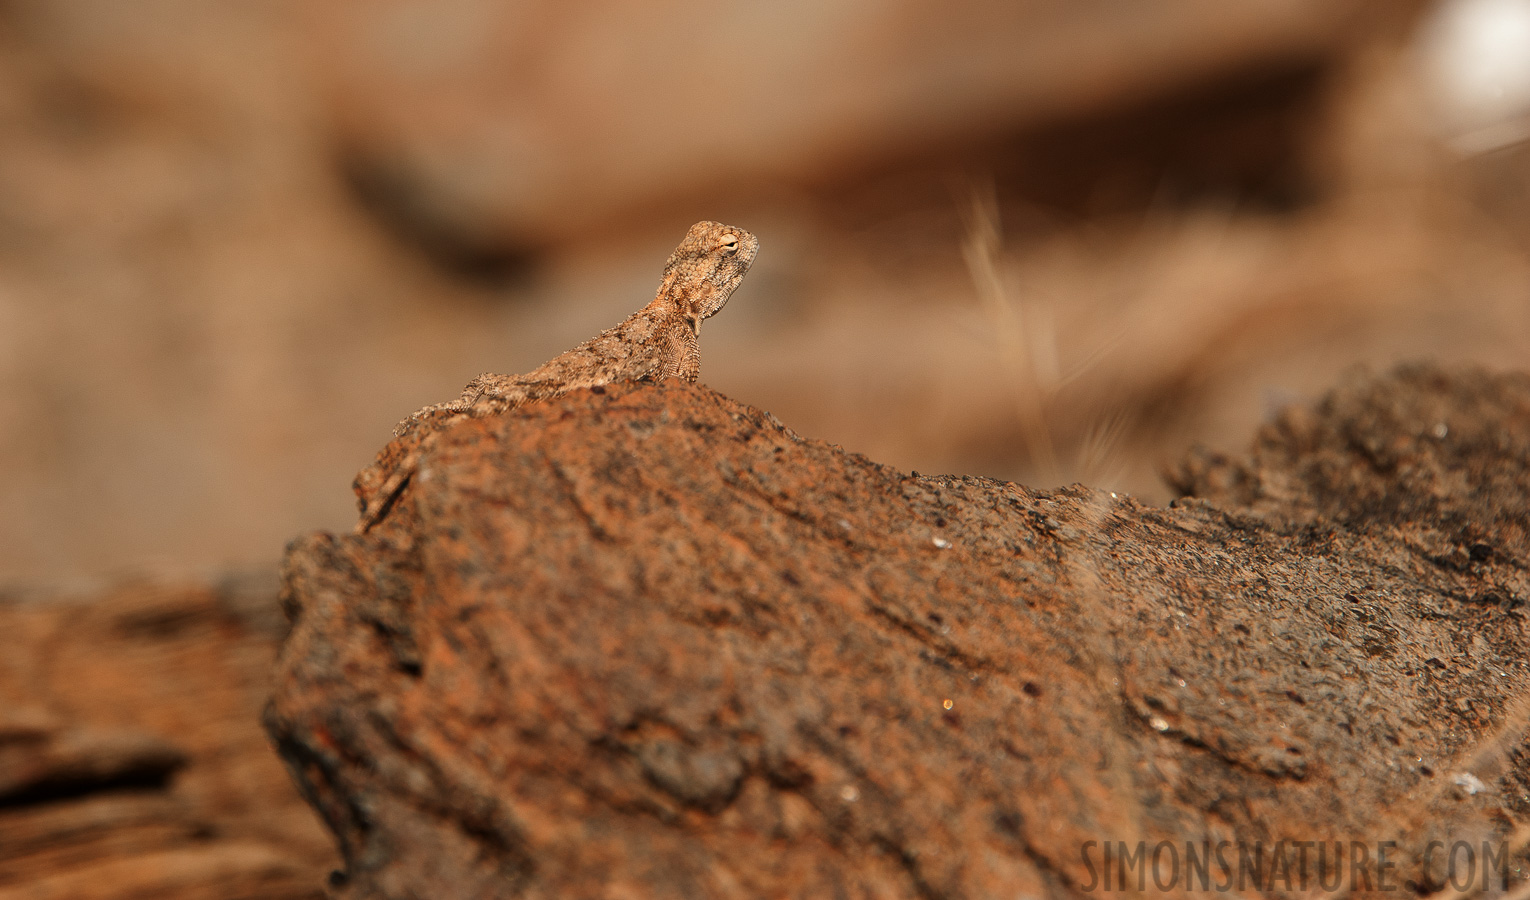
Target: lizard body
{"type": "Point", "coordinates": [657, 342]}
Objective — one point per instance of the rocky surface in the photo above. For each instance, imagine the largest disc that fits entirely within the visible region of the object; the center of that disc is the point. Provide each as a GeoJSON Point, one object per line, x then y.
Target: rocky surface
{"type": "Point", "coordinates": [646, 641]}
{"type": "Point", "coordinates": [239, 241]}
{"type": "Point", "coordinates": [132, 764]}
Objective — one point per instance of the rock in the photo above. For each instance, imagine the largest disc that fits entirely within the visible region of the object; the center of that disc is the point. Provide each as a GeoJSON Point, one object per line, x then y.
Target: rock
{"type": "Point", "coordinates": [240, 241]}
{"type": "Point", "coordinates": [1438, 452]}
{"type": "Point", "coordinates": [79, 760]}
{"type": "Point", "coordinates": [131, 759]}
{"type": "Point", "coordinates": [649, 642]}
{"type": "Point", "coordinates": [222, 869]}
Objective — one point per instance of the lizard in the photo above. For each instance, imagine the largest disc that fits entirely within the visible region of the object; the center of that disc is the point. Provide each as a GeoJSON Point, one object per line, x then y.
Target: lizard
{"type": "Point", "coordinates": [658, 342]}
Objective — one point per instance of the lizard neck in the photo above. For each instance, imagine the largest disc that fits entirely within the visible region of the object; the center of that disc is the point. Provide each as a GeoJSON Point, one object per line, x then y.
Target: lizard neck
{"type": "Point", "coordinates": [671, 302]}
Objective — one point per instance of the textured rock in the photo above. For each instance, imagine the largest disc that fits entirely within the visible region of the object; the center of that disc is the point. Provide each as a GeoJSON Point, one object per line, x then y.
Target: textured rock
{"type": "Point", "coordinates": [240, 240]}
{"type": "Point", "coordinates": [131, 759]}
{"type": "Point", "coordinates": [649, 642]}
{"type": "Point", "coordinates": [44, 762]}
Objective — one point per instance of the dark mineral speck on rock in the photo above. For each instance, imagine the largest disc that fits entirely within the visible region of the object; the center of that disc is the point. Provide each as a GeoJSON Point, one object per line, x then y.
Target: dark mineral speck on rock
{"type": "Point", "coordinates": [602, 653]}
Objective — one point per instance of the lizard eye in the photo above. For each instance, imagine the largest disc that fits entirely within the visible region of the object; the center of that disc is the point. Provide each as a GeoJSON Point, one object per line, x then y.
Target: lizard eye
{"type": "Point", "coordinates": [730, 246]}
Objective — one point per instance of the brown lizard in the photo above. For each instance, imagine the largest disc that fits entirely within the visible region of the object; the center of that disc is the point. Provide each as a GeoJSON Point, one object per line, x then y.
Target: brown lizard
{"type": "Point", "coordinates": [657, 342]}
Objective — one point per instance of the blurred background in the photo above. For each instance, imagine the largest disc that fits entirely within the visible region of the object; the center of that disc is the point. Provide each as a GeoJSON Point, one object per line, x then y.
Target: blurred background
{"type": "Point", "coordinates": [1043, 240]}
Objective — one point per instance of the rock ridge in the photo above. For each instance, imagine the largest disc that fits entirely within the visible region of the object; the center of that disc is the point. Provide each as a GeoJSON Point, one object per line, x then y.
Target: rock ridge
{"type": "Point", "coordinates": [647, 641]}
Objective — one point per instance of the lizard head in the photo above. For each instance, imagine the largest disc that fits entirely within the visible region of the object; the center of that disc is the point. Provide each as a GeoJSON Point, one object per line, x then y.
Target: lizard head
{"type": "Point", "coordinates": [706, 267]}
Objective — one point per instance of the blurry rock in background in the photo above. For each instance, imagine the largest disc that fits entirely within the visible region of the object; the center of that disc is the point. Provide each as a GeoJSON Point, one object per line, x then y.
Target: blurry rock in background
{"type": "Point", "coordinates": [132, 762]}
{"type": "Point", "coordinates": [1041, 241]}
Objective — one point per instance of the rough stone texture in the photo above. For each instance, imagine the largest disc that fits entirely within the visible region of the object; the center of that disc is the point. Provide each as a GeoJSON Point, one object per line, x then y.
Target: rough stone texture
{"type": "Point", "coordinates": [648, 642]}
{"type": "Point", "coordinates": [131, 759]}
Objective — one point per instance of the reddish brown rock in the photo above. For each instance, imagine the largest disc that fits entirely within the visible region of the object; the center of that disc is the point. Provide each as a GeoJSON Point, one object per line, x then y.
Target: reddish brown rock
{"type": "Point", "coordinates": [131, 759]}
{"type": "Point", "coordinates": [649, 642]}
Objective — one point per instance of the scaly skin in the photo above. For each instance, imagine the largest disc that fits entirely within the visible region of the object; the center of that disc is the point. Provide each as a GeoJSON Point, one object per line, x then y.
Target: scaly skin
{"type": "Point", "coordinates": [657, 342]}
